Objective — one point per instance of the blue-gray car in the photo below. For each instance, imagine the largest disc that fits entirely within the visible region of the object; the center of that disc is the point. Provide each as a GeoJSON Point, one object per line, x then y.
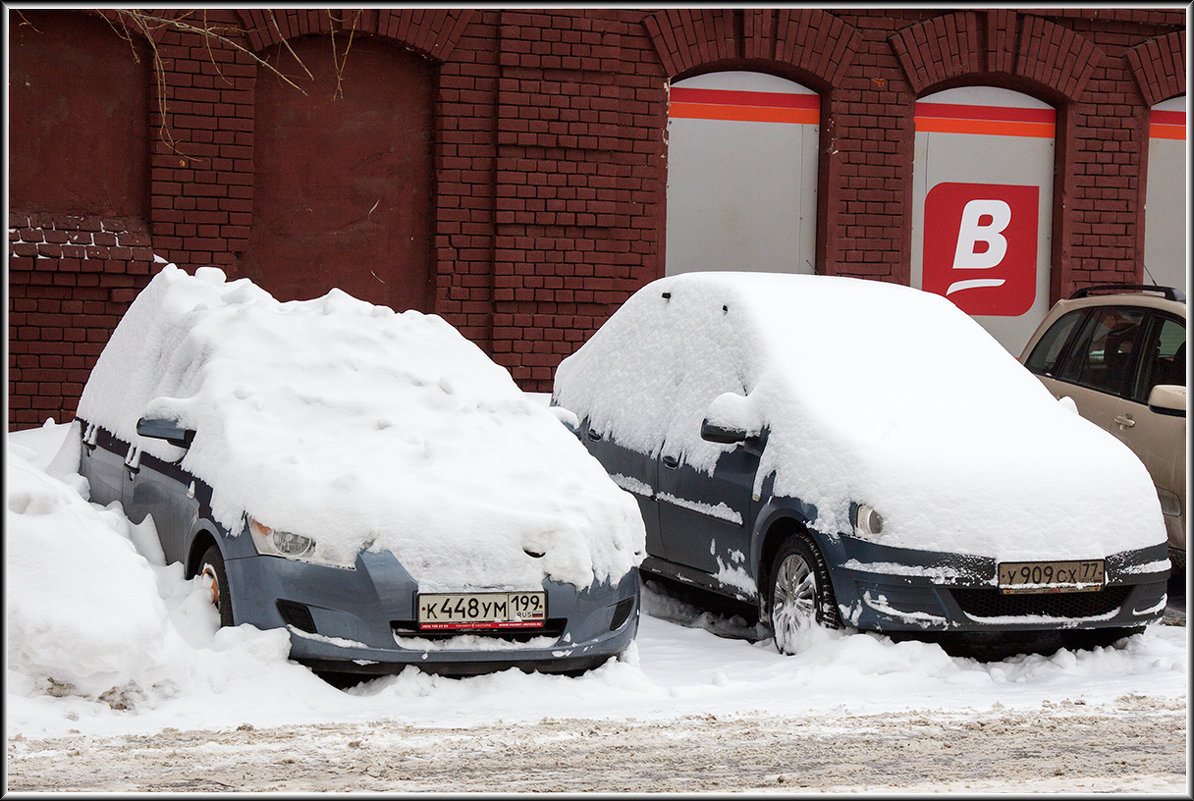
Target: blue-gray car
{"type": "Point", "coordinates": [847, 452]}
{"type": "Point", "coordinates": [368, 481]}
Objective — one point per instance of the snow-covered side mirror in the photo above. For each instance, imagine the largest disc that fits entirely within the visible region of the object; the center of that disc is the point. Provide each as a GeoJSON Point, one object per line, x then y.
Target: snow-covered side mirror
{"type": "Point", "coordinates": [171, 431]}
{"type": "Point", "coordinates": [731, 418]}
{"type": "Point", "coordinates": [1168, 399]}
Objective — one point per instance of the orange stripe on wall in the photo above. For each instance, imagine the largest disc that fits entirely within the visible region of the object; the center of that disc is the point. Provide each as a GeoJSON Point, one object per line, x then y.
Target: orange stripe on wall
{"type": "Point", "coordinates": [706, 111]}
{"type": "Point", "coordinates": [1157, 131]}
{"type": "Point", "coordinates": [987, 127]}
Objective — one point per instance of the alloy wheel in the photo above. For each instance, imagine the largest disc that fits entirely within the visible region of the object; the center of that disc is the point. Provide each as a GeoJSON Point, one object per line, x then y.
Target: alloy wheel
{"type": "Point", "coordinates": [793, 601]}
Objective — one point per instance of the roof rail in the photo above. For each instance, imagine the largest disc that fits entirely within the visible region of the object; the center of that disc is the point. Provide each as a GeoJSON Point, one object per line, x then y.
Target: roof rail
{"type": "Point", "coordinates": [1169, 292]}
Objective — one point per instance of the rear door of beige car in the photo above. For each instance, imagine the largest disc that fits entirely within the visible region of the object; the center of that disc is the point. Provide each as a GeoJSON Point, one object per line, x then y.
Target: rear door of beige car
{"type": "Point", "coordinates": [1108, 359]}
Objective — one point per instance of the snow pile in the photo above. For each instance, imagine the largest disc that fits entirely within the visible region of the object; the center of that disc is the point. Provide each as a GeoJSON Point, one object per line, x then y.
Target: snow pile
{"type": "Point", "coordinates": [362, 428]}
{"type": "Point", "coordinates": [95, 622]}
{"type": "Point", "coordinates": [89, 634]}
{"type": "Point", "coordinates": [873, 393]}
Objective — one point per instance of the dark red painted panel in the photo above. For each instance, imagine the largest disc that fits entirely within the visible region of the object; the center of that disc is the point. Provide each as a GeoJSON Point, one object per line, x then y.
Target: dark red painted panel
{"type": "Point", "coordinates": [344, 185]}
{"type": "Point", "coordinates": [78, 124]}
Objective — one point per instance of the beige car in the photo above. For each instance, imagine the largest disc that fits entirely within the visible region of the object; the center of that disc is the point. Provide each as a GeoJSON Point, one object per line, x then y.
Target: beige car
{"type": "Point", "coordinates": [1119, 351]}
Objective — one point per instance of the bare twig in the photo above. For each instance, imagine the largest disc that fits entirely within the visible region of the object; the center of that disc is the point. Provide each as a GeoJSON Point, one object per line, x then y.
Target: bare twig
{"type": "Point", "coordinates": [286, 43]}
{"type": "Point", "coordinates": [338, 62]}
{"type": "Point", "coordinates": [144, 19]}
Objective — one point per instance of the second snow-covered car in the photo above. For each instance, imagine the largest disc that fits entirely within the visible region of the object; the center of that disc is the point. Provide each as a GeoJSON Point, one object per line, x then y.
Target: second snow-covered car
{"type": "Point", "coordinates": [368, 480]}
{"type": "Point", "coordinates": [860, 453]}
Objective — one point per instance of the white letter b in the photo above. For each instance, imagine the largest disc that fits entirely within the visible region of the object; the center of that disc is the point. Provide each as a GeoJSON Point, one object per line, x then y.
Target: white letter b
{"type": "Point", "coordinates": [971, 232]}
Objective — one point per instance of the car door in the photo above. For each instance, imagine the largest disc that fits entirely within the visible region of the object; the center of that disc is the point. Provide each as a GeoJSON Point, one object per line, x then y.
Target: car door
{"type": "Point", "coordinates": [101, 462]}
{"type": "Point", "coordinates": [160, 488]}
{"type": "Point", "coordinates": [632, 471]}
{"type": "Point", "coordinates": [1097, 365]}
{"type": "Point", "coordinates": [705, 519]}
{"type": "Point", "coordinates": [1157, 437]}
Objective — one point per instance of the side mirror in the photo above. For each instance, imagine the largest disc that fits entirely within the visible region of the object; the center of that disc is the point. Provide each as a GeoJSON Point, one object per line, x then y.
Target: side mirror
{"type": "Point", "coordinates": [169, 430]}
{"type": "Point", "coordinates": [726, 435]}
{"type": "Point", "coordinates": [1168, 399]}
{"type": "Point", "coordinates": [731, 418]}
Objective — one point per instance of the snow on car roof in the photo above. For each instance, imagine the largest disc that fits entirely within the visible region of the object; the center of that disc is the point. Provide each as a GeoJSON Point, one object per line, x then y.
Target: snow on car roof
{"type": "Point", "coordinates": [872, 393]}
{"type": "Point", "coordinates": [362, 427]}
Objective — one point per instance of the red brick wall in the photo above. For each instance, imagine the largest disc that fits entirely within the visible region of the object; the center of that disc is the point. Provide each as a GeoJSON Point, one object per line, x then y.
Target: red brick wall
{"type": "Point", "coordinates": [549, 156]}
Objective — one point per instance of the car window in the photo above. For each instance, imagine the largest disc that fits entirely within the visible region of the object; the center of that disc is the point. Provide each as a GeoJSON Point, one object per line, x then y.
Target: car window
{"type": "Point", "coordinates": [1164, 357]}
{"type": "Point", "coordinates": [1043, 359]}
{"type": "Point", "coordinates": [1105, 350]}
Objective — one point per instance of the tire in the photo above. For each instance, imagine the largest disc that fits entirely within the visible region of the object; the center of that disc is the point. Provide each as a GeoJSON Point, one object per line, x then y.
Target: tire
{"type": "Point", "coordinates": [1085, 639]}
{"type": "Point", "coordinates": [800, 594]}
{"type": "Point", "coordinates": [211, 569]}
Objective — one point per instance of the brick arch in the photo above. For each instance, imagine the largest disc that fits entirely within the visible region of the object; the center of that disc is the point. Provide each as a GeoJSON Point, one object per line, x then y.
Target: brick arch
{"type": "Point", "coordinates": [966, 44]}
{"type": "Point", "coordinates": [1159, 66]}
{"type": "Point", "coordinates": [815, 42]}
{"type": "Point", "coordinates": [430, 33]}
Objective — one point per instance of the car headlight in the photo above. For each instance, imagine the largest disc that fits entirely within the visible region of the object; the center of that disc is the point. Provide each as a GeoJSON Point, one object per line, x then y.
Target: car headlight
{"type": "Point", "coordinates": [867, 522]}
{"type": "Point", "coordinates": [271, 542]}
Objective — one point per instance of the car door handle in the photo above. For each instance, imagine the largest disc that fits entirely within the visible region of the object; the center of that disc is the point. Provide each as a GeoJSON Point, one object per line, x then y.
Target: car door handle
{"type": "Point", "coordinates": [671, 461]}
{"type": "Point", "coordinates": [593, 435]}
{"type": "Point", "coordinates": [133, 471]}
{"type": "Point", "coordinates": [1125, 420]}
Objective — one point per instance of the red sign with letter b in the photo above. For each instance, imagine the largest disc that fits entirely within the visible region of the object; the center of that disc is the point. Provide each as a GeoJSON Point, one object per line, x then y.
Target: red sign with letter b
{"type": "Point", "coordinates": [980, 246]}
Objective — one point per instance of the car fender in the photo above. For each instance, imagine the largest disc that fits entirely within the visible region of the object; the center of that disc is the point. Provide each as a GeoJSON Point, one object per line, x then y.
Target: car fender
{"type": "Point", "coordinates": [782, 511]}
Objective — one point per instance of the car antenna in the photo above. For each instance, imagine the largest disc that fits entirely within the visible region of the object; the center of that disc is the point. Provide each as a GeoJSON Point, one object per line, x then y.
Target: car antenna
{"type": "Point", "coordinates": [1150, 275]}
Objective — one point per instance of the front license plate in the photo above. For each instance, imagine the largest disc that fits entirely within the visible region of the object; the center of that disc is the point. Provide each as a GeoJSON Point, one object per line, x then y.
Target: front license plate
{"type": "Point", "coordinates": [1040, 577]}
{"type": "Point", "coordinates": [482, 610]}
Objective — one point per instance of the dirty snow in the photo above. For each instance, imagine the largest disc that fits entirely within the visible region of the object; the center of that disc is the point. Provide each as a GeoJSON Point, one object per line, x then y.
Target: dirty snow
{"type": "Point", "coordinates": [873, 393]}
{"type": "Point", "coordinates": [131, 648]}
{"type": "Point", "coordinates": [375, 429]}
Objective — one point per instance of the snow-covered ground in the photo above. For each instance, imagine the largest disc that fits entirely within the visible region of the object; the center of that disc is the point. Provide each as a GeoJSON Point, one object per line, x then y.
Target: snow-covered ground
{"type": "Point", "coordinates": [70, 671]}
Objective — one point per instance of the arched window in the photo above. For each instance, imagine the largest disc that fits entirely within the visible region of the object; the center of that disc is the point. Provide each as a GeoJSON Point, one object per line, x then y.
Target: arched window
{"type": "Point", "coordinates": [742, 174]}
{"type": "Point", "coordinates": [343, 175]}
{"type": "Point", "coordinates": [1165, 195]}
{"type": "Point", "coordinates": [983, 206]}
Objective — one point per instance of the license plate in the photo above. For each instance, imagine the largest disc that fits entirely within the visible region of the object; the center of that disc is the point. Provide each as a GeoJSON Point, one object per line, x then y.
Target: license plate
{"type": "Point", "coordinates": [1041, 577]}
{"type": "Point", "coordinates": [482, 610]}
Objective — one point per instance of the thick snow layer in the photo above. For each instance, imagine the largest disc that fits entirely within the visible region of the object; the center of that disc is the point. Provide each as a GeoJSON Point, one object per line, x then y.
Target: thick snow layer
{"type": "Point", "coordinates": [105, 640]}
{"type": "Point", "coordinates": [359, 427]}
{"type": "Point", "coordinates": [64, 632]}
{"type": "Point", "coordinates": [873, 393]}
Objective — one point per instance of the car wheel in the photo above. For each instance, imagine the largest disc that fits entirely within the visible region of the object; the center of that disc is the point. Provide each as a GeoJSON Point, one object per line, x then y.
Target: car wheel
{"type": "Point", "coordinates": [211, 570]}
{"type": "Point", "coordinates": [1084, 639]}
{"type": "Point", "coordinates": [801, 594]}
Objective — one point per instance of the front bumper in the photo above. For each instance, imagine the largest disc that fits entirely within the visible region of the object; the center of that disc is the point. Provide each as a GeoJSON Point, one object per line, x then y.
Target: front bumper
{"type": "Point", "coordinates": [358, 621]}
{"type": "Point", "coordinates": [879, 588]}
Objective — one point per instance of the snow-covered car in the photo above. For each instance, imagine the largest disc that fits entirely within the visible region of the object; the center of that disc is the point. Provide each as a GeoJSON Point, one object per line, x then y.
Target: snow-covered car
{"type": "Point", "coordinates": [860, 453]}
{"type": "Point", "coordinates": [1119, 351]}
{"type": "Point", "coordinates": [369, 480]}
